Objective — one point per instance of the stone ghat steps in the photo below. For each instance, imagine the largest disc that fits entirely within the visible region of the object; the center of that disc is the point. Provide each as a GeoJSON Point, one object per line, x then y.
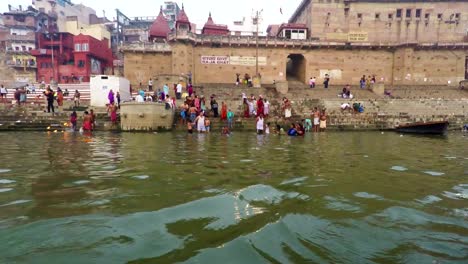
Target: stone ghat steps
{"type": "Point", "coordinates": [415, 107]}
{"type": "Point", "coordinates": [38, 96]}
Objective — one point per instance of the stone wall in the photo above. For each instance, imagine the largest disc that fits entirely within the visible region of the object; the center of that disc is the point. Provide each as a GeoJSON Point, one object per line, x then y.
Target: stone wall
{"type": "Point", "coordinates": [394, 66]}
{"type": "Point", "coordinates": [145, 117]}
{"type": "Point", "coordinates": [333, 20]}
{"type": "Point", "coordinates": [140, 67]}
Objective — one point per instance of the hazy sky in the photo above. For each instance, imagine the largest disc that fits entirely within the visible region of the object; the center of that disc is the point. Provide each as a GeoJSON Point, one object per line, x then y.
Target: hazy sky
{"type": "Point", "coordinates": [223, 11]}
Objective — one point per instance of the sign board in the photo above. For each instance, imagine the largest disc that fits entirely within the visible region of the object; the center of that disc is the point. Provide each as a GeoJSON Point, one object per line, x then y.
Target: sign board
{"type": "Point", "coordinates": [337, 36]}
{"type": "Point", "coordinates": [247, 61]}
{"type": "Point", "coordinates": [333, 74]}
{"type": "Point", "coordinates": [214, 59]}
{"type": "Point", "coordinates": [234, 60]}
{"type": "Point", "coordinates": [357, 36]}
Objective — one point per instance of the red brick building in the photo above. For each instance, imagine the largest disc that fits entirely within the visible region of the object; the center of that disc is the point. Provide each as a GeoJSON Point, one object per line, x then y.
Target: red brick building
{"type": "Point", "coordinates": [211, 28]}
{"type": "Point", "coordinates": [67, 58]}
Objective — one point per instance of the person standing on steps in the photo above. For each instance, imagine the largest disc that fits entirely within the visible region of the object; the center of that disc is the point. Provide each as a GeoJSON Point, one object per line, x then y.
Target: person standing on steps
{"type": "Point", "coordinates": [326, 81]}
{"type": "Point", "coordinates": [76, 98]}
{"type": "Point", "coordinates": [3, 93]}
{"type": "Point", "coordinates": [179, 91]}
{"type": "Point", "coordinates": [214, 107]}
{"type": "Point", "coordinates": [49, 94]}
{"type": "Point", "coordinates": [150, 85]}
{"type": "Point", "coordinates": [230, 119]}
{"type": "Point", "coordinates": [117, 96]}
{"type": "Point", "coordinates": [110, 97]}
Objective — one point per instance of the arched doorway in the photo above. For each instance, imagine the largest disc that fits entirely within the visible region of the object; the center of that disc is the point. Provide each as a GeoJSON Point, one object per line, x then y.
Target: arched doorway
{"type": "Point", "coordinates": [296, 68]}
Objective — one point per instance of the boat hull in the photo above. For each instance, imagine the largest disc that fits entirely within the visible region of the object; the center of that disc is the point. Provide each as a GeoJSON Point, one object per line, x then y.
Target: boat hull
{"type": "Point", "coordinates": [431, 128]}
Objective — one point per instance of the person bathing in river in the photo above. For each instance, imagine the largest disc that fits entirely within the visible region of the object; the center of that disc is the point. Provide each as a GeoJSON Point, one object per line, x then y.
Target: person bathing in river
{"type": "Point", "coordinates": [73, 120]}
{"type": "Point", "coordinates": [200, 121]}
{"type": "Point", "coordinates": [260, 124]}
{"type": "Point", "coordinates": [112, 109]}
{"type": "Point", "coordinates": [207, 125]}
{"type": "Point", "coordinates": [87, 126]}
{"type": "Point", "coordinates": [292, 131]}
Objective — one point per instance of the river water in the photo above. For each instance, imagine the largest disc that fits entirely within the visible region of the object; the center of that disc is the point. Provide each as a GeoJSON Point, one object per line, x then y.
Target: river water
{"type": "Point", "coordinates": [174, 198]}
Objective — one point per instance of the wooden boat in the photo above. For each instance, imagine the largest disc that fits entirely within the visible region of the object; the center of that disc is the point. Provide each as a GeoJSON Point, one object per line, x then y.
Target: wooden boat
{"type": "Point", "coordinates": [432, 128]}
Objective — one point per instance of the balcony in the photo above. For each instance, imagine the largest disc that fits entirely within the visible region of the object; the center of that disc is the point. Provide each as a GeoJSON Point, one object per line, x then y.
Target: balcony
{"type": "Point", "coordinates": [22, 38]}
{"type": "Point", "coordinates": [16, 64]}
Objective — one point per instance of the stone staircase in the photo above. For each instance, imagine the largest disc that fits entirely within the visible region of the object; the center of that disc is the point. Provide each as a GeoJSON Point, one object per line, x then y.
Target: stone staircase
{"type": "Point", "coordinates": [39, 99]}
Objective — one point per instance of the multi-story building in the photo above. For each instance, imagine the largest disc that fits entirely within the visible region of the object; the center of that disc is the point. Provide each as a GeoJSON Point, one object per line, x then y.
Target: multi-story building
{"type": "Point", "coordinates": [20, 38]}
{"type": "Point", "coordinates": [62, 9]}
{"type": "Point", "coordinates": [66, 58]}
{"type": "Point", "coordinates": [384, 21]}
{"type": "Point", "coordinates": [171, 11]}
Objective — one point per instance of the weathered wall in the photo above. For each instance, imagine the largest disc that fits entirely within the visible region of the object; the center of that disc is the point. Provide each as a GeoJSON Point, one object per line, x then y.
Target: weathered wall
{"type": "Point", "coordinates": [329, 20]}
{"type": "Point", "coordinates": [140, 67]}
{"type": "Point", "coordinates": [405, 65]}
{"type": "Point", "coordinates": [145, 117]}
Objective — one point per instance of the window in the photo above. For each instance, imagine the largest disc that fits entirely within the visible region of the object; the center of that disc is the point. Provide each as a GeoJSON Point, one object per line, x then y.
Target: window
{"type": "Point", "coordinates": [81, 64]}
{"type": "Point", "coordinates": [85, 47]}
{"type": "Point", "coordinates": [359, 15]}
{"type": "Point", "coordinates": [439, 16]}
{"type": "Point", "coordinates": [287, 34]}
{"type": "Point", "coordinates": [418, 12]}
{"type": "Point", "coordinates": [408, 12]}
{"type": "Point", "coordinates": [398, 12]}
{"type": "Point", "coordinates": [16, 48]}
{"type": "Point", "coordinates": [377, 16]}
{"type": "Point", "coordinates": [29, 48]}
{"type": "Point", "coordinates": [426, 16]}
{"type": "Point", "coordinates": [457, 16]}
{"type": "Point", "coordinates": [390, 16]}
{"type": "Point", "coordinates": [77, 47]}
{"type": "Point", "coordinates": [23, 48]}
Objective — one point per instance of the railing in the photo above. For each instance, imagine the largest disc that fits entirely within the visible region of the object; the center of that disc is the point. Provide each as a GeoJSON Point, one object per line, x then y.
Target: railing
{"type": "Point", "coordinates": [29, 38]}
{"type": "Point", "coordinates": [21, 64]}
{"type": "Point", "coordinates": [269, 41]}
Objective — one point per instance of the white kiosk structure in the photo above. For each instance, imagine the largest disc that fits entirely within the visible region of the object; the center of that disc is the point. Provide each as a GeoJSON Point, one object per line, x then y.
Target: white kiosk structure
{"type": "Point", "coordinates": [100, 86]}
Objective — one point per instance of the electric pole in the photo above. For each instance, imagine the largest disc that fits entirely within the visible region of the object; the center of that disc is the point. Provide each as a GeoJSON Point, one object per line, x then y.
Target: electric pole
{"type": "Point", "coordinates": [256, 20]}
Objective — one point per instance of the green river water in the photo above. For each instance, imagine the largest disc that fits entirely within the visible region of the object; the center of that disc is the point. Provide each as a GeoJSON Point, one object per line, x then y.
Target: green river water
{"type": "Point", "coordinates": [177, 198]}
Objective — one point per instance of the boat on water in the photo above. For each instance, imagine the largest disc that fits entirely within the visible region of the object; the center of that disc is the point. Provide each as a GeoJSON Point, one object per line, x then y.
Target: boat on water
{"type": "Point", "coordinates": [430, 128]}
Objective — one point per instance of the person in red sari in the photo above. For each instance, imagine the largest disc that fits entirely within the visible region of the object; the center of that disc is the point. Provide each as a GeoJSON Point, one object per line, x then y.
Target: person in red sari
{"type": "Point", "coordinates": [246, 108]}
{"type": "Point", "coordinates": [112, 109]}
{"type": "Point", "coordinates": [260, 107]}
{"type": "Point", "coordinates": [87, 126]}
{"type": "Point", "coordinates": [223, 111]}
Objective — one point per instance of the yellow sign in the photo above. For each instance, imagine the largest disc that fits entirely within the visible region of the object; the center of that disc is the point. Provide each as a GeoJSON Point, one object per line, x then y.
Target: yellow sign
{"type": "Point", "coordinates": [247, 61]}
{"type": "Point", "coordinates": [337, 36]}
{"type": "Point", "coordinates": [357, 36]}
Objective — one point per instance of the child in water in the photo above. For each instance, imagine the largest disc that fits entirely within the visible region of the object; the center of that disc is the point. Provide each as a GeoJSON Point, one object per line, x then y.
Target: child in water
{"type": "Point", "coordinates": [267, 129]}
{"type": "Point", "coordinates": [226, 131]}
{"type": "Point", "coordinates": [73, 119]}
{"type": "Point", "coordinates": [189, 127]}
